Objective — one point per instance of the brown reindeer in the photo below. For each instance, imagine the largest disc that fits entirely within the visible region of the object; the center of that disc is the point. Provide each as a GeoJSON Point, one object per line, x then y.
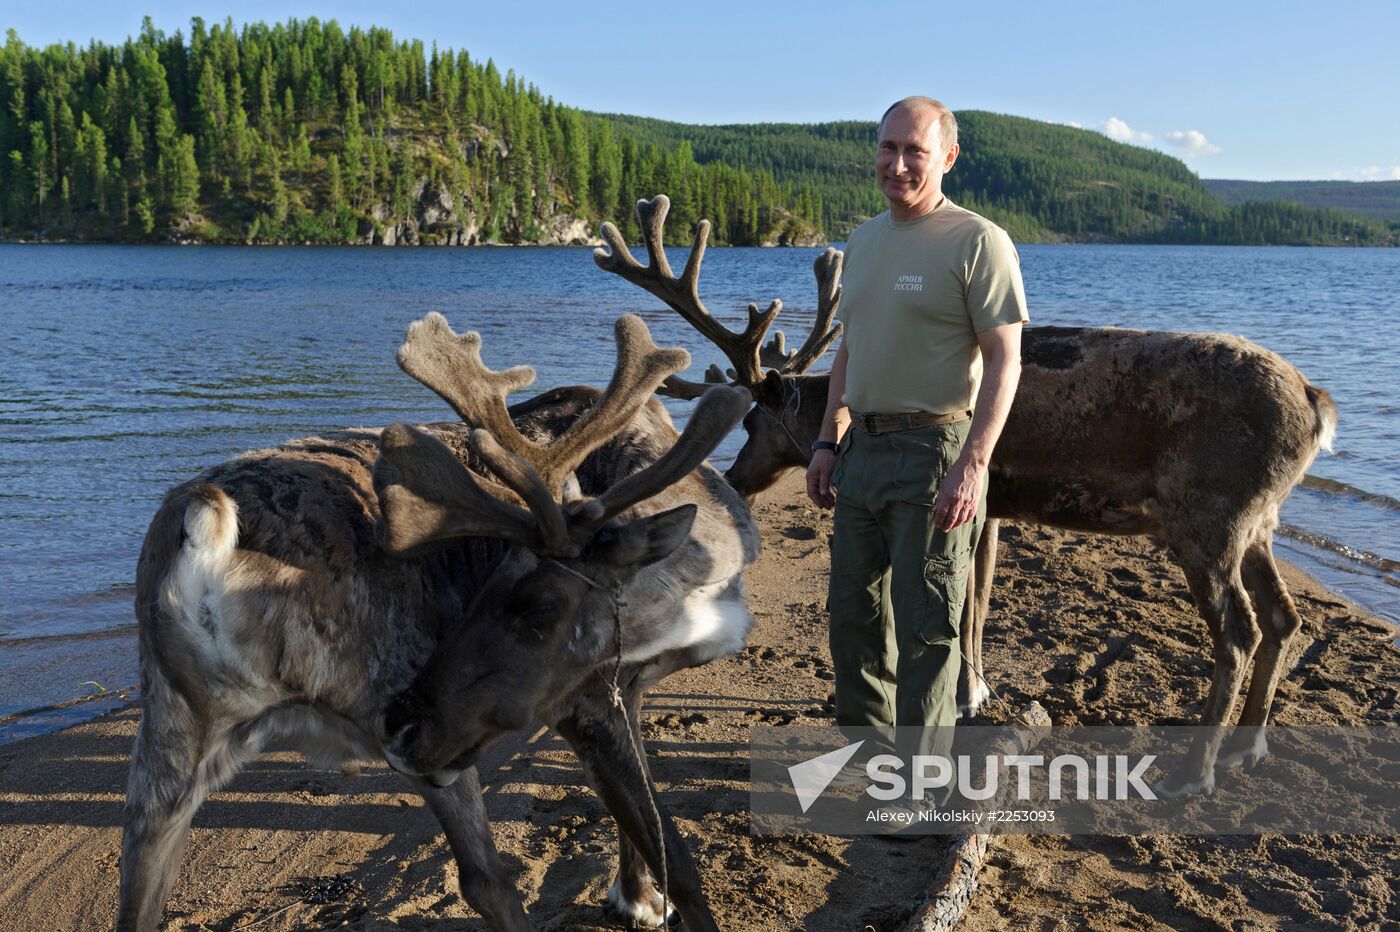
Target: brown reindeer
{"type": "Point", "coordinates": [1195, 439]}
{"type": "Point", "coordinates": [418, 592]}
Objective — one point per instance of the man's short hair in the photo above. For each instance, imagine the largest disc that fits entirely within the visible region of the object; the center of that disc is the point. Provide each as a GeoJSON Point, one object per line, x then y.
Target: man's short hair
{"type": "Point", "coordinates": [947, 123]}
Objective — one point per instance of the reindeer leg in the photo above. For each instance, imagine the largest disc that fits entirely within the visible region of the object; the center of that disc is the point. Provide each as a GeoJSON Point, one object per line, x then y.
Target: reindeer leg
{"type": "Point", "coordinates": [599, 734]}
{"type": "Point", "coordinates": [1220, 596]}
{"type": "Point", "coordinates": [968, 699]}
{"type": "Point", "coordinates": [170, 776]}
{"type": "Point", "coordinates": [635, 893]}
{"type": "Point", "coordinates": [1278, 623]}
{"type": "Point", "coordinates": [480, 872]}
{"type": "Point", "coordinates": [163, 791]}
{"type": "Point", "coordinates": [972, 682]}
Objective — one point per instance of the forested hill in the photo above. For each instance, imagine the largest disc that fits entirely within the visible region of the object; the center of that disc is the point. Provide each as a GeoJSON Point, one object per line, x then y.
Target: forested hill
{"type": "Point", "coordinates": [1379, 200]}
{"type": "Point", "coordinates": [306, 132]}
{"type": "Point", "coordinates": [1041, 181]}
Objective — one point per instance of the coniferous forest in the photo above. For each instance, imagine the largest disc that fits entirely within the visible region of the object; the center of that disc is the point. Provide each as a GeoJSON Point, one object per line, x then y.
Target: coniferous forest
{"type": "Point", "coordinates": [305, 132]}
{"type": "Point", "coordinates": [1040, 181]}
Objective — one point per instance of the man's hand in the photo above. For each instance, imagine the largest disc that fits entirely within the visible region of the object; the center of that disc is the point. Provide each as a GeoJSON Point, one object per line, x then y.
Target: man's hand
{"type": "Point", "coordinates": [961, 489]}
{"type": "Point", "coordinates": [819, 479]}
{"type": "Point", "coordinates": [958, 494]}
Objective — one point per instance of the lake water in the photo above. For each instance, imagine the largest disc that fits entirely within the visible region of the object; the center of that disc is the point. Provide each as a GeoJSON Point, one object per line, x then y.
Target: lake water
{"type": "Point", "coordinates": [128, 369]}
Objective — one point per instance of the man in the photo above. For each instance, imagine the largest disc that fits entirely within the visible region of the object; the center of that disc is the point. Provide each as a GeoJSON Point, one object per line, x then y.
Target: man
{"type": "Point", "coordinates": [933, 306]}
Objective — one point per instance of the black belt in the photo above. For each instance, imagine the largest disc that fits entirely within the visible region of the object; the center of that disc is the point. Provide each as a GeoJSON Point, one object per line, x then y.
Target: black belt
{"type": "Point", "coordinates": [890, 423]}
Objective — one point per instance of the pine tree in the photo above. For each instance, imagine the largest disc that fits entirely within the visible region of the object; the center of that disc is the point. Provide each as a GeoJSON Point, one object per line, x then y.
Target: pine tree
{"type": "Point", "coordinates": [16, 195]}
{"type": "Point", "coordinates": [267, 115]}
{"type": "Point", "coordinates": [301, 152]}
{"type": "Point", "coordinates": [184, 178]}
{"type": "Point", "coordinates": [606, 157]}
{"type": "Point", "coordinates": [576, 160]}
{"type": "Point", "coordinates": [354, 158]}
{"type": "Point", "coordinates": [39, 167]}
{"type": "Point", "coordinates": [97, 165]}
{"type": "Point", "coordinates": [338, 206]}
{"type": "Point", "coordinates": [281, 202]}
{"type": "Point", "coordinates": [403, 181]}
{"type": "Point", "coordinates": [118, 195]}
{"type": "Point", "coordinates": [212, 110]}
{"type": "Point", "coordinates": [65, 203]}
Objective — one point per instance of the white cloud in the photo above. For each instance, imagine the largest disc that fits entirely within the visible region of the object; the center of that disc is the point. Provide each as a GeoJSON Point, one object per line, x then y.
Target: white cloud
{"type": "Point", "coordinates": [1378, 173]}
{"type": "Point", "coordinates": [1191, 143]}
{"type": "Point", "coordinates": [1119, 131]}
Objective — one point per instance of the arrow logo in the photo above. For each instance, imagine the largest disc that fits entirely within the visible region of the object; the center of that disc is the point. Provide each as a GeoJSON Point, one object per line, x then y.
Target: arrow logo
{"type": "Point", "coordinates": [810, 778]}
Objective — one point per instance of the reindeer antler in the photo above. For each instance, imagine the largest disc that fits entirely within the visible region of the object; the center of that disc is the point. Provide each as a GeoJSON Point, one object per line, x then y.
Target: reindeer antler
{"type": "Point", "coordinates": [426, 494]}
{"type": "Point", "coordinates": [746, 351]}
{"type": "Point", "coordinates": [720, 409]}
{"type": "Point", "coordinates": [450, 364]}
{"type": "Point", "coordinates": [827, 269]}
{"type": "Point", "coordinates": [776, 355]}
{"type": "Point", "coordinates": [682, 294]}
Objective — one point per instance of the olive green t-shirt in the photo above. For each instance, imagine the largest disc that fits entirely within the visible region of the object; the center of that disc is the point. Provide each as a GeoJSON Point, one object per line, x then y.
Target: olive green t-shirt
{"type": "Point", "coordinates": [915, 296]}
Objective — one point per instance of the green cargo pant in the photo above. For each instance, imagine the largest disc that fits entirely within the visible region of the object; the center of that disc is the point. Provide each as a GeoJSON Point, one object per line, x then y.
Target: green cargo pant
{"type": "Point", "coordinates": [898, 583]}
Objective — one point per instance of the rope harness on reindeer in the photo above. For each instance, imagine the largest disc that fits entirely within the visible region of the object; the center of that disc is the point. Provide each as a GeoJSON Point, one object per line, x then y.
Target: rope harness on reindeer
{"type": "Point", "coordinates": [615, 696]}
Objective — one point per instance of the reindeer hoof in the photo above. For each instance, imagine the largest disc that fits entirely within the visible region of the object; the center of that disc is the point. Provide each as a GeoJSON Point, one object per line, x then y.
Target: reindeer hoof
{"type": "Point", "coordinates": [1246, 751]}
{"type": "Point", "coordinates": [1170, 788]}
{"type": "Point", "coordinates": [978, 695]}
{"type": "Point", "coordinates": [643, 914]}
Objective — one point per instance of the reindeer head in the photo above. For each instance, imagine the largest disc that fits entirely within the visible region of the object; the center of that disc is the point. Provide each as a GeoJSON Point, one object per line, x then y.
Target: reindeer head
{"type": "Point", "coordinates": [545, 619]}
{"type": "Point", "coordinates": [787, 411]}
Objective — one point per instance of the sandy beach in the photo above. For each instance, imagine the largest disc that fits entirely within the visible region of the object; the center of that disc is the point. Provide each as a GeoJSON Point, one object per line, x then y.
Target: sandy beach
{"type": "Point", "coordinates": [1099, 630]}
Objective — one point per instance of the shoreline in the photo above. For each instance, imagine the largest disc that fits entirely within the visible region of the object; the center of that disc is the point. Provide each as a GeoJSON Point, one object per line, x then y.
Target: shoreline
{"type": "Point", "coordinates": [595, 243]}
{"type": "Point", "coordinates": [1098, 629]}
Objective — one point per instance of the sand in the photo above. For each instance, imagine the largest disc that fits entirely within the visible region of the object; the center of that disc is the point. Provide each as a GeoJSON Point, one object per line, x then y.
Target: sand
{"type": "Point", "coordinates": [1099, 630]}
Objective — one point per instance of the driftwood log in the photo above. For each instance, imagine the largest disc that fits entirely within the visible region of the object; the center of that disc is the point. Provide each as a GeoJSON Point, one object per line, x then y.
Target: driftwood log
{"type": "Point", "coordinates": [966, 852]}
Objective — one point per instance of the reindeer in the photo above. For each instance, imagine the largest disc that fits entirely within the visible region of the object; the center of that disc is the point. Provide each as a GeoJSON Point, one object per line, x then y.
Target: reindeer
{"type": "Point", "coordinates": [1195, 439]}
{"type": "Point", "coordinates": [369, 593]}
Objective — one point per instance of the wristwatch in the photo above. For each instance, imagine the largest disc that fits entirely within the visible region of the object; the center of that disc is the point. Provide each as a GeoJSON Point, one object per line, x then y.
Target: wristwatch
{"type": "Point", "coordinates": [823, 445]}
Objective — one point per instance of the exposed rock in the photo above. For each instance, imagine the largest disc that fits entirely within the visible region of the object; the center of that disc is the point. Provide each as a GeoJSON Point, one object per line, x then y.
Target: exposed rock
{"type": "Point", "coordinates": [438, 218]}
{"type": "Point", "coordinates": [441, 218]}
{"type": "Point", "coordinates": [568, 230]}
{"type": "Point", "coordinates": [782, 228]}
{"type": "Point", "coordinates": [485, 136]}
{"type": "Point", "coordinates": [187, 230]}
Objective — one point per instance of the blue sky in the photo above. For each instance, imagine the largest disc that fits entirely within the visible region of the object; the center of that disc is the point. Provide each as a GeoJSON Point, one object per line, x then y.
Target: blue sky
{"type": "Point", "coordinates": [1263, 91]}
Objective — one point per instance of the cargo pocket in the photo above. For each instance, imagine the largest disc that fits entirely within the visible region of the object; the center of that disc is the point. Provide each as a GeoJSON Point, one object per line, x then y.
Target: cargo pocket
{"type": "Point", "coordinates": [945, 592]}
{"type": "Point", "coordinates": [923, 461]}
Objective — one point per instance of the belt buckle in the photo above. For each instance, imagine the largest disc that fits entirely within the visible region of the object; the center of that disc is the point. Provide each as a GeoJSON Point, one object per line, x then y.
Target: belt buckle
{"type": "Point", "coordinates": [868, 422]}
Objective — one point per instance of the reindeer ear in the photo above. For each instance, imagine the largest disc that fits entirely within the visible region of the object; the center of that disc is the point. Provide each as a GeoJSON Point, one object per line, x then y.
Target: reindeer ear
{"type": "Point", "coordinates": [769, 392]}
{"type": "Point", "coordinates": [646, 540]}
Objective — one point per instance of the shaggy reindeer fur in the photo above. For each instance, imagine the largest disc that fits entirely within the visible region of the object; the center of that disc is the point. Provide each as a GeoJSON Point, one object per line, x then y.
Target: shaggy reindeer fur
{"type": "Point", "coordinates": [266, 609]}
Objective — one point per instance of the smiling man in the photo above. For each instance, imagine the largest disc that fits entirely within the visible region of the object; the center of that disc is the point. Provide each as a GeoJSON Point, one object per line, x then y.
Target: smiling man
{"type": "Point", "coordinates": [924, 377]}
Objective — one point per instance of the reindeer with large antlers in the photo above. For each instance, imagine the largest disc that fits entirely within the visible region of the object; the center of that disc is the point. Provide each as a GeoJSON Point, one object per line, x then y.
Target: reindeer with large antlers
{"type": "Point", "coordinates": [420, 591]}
{"type": "Point", "coordinates": [1195, 439]}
